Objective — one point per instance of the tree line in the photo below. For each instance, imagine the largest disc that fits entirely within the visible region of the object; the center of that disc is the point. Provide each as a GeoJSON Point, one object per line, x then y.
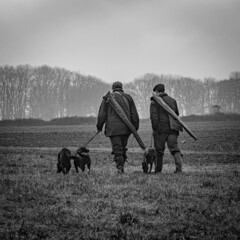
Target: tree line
{"type": "Point", "coordinates": [47, 93]}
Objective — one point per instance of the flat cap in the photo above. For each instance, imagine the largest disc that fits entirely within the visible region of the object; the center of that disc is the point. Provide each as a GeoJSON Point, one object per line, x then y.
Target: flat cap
{"type": "Point", "coordinates": [159, 87]}
{"type": "Point", "coordinates": [117, 85]}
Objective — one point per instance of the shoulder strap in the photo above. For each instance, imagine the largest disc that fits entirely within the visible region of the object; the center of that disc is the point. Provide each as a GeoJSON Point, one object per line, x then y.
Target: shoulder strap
{"type": "Point", "coordinates": [124, 98]}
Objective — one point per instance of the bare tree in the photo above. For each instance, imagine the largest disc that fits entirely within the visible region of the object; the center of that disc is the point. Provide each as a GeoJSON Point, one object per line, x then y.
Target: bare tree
{"type": "Point", "coordinates": [234, 75]}
{"type": "Point", "coordinates": [45, 92]}
{"type": "Point", "coordinates": [228, 93]}
{"type": "Point", "coordinates": [8, 77]}
{"type": "Point", "coordinates": [210, 94]}
{"type": "Point", "coordinates": [22, 78]}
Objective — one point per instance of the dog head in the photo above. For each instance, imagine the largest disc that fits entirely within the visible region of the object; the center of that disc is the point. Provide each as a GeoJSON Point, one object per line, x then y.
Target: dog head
{"type": "Point", "coordinates": [83, 150]}
{"type": "Point", "coordinates": [150, 154]}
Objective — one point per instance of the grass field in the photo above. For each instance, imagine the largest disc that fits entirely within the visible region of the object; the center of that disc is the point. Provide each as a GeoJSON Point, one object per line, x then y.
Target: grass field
{"type": "Point", "coordinates": [201, 203]}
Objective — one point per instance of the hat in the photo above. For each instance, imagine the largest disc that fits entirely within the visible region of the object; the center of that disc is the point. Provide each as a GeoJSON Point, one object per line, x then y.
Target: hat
{"type": "Point", "coordinates": [117, 85]}
{"type": "Point", "coordinates": [159, 87]}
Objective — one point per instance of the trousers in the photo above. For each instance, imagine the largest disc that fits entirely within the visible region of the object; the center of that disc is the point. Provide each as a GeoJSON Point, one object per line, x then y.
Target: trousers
{"type": "Point", "coordinates": [160, 141]}
{"type": "Point", "coordinates": [119, 145]}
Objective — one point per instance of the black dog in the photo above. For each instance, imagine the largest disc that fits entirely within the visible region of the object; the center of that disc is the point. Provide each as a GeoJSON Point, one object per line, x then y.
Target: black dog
{"type": "Point", "coordinates": [64, 163]}
{"type": "Point", "coordinates": [149, 158]}
{"type": "Point", "coordinates": [82, 159]}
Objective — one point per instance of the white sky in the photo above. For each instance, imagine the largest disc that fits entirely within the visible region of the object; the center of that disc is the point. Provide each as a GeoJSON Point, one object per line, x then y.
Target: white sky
{"type": "Point", "coordinates": [119, 40]}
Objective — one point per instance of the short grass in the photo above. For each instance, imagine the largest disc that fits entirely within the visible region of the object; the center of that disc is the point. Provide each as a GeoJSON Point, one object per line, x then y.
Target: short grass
{"type": "Point", "coordinates": [37, 203]}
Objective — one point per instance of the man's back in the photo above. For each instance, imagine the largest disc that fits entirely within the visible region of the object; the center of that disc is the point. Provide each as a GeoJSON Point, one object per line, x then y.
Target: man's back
{"type": "Point", "coordinates": [160, 119]}
{"type": "Point", "coordinates": [114, 124]}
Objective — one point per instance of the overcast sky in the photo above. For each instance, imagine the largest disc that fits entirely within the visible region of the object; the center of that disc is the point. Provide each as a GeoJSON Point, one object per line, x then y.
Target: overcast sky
{"type": "Point", "coordinates": [120, 40]}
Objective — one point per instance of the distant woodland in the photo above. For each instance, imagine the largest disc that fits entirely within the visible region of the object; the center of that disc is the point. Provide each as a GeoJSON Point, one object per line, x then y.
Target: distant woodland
{"type": "Point", "coordinates": [48, 93]}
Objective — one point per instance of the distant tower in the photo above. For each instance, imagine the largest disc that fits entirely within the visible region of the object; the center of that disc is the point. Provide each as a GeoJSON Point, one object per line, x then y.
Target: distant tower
{"type": "Point", "coordinates": [215, 109]}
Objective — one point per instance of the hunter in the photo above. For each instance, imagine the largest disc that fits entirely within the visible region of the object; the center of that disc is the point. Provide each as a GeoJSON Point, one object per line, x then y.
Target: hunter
{"type": "Point", "coordinates": [115, 128]}
{"type": "Point", "coordinates": [165, 129]}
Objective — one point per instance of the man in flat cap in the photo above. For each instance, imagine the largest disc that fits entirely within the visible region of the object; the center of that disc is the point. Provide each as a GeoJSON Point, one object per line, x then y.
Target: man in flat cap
{"type": "Point", "coordinates": [165, 129]}
{"type": "Point", "coordinates": [115, 128]}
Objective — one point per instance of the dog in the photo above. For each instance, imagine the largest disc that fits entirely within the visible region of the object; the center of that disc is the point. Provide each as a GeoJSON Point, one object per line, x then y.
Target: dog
{"type": "Point", "coordinates": [64, 161]}
{"type": "Point", "coordinates": [82, 159]}
{"type": "Point", "coordinates": [149, 158]}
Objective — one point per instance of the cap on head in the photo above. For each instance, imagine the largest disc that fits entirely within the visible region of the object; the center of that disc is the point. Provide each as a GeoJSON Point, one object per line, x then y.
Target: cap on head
{"type": "Point", "coordinates": [117, 85]}
{"type": "Point", "coordinates": [159, 87]}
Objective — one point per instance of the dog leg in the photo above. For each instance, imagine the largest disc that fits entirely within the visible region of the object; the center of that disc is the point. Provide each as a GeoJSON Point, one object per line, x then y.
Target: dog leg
{"type": "Point", "coordinates": [68, 169]}
{"type": "Point", "coordinates": [144, 162]}
{"type": "Point", "coordinates": [144, 167]}
{"type": "Point", "coordinates": [82, 166]}
{"type": "Point", "coordinates": [59, 169]}
{"type": "Point", "coordinates": [150, 169]}
{"type": "Point", "coordinates": [89, 166]}
{"type": "Point", "coordinates": [76, 166]}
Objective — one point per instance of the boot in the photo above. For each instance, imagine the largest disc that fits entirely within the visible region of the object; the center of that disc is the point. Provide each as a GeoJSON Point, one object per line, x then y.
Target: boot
{"type": "Point", "coordinates": [159, 164]}
{"type": "Point", "coordinates": [119, 164]}
{"type": "Point", "coordinates": [178, 162]}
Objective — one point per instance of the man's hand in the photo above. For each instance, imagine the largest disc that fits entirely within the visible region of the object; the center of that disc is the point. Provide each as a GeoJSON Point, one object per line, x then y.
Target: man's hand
{"type": "Point", "coordinates": [99, 129]}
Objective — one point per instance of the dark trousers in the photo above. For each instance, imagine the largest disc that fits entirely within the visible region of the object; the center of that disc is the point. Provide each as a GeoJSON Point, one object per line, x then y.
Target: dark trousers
{"type": "Point", "coordinates": [119, 145]}
{"type": "Point", "coordinates": [119, 150]}
{"type": "Point", "coordinates": [161, 139]}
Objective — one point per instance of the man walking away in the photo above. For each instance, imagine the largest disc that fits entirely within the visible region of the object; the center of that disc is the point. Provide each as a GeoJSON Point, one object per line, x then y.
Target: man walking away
{"type": "Point", "coordinates": [115, 128]}
{"type": "Point", "coordinates": [165, 129]}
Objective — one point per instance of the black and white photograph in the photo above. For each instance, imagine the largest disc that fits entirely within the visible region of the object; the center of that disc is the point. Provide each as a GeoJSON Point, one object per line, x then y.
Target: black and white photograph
{"type": "Point", "coordinates": [119, 119]}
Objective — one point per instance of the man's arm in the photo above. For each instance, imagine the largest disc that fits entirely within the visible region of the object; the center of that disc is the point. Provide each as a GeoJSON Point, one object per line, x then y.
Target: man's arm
{"type": "Point", "coordinates": [154, 115]}
{"type": "Point", "coordinates": [134, 115]}
{"type": "Point", "coordinates": [102, 115]}
{"type": "Point", "coordinates": [176, 108]}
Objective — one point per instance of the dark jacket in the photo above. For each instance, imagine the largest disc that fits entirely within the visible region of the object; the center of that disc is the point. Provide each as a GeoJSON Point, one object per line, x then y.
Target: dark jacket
{"type": "Point", "coordinates": [161, 121]}
{"type": "Point", "coordinates": [114, 125]}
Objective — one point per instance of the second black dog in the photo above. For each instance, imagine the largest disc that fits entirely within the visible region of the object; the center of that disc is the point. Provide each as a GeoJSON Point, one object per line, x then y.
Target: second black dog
{"type": "Point", "coordinates": [82, 160]}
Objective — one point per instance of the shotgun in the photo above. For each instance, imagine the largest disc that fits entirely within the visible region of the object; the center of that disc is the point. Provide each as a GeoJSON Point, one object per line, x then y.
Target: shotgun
{"type": "Point", "coordinates": [118, 109]}
{"type": "Point", "coordinates": [160, 101]}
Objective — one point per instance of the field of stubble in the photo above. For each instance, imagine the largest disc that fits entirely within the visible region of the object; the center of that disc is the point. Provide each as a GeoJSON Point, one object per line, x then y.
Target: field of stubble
{"type": "Point", "coordinates": [201, 203]}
